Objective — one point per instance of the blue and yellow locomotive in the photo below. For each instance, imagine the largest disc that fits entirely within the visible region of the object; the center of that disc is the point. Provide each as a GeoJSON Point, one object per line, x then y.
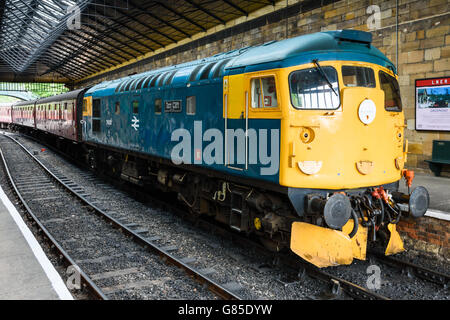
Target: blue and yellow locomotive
{"type": "Point", "coordinates": [298, 141]}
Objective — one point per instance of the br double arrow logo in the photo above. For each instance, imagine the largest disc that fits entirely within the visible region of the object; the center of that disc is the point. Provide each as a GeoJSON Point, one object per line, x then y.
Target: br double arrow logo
{"type": "Point", "coordinates": [135, 124]}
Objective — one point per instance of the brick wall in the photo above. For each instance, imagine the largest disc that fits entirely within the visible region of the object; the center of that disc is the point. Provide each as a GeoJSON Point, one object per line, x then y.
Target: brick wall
{"type": "Point", "coordinates": [426, 234]}
{"type": "Point", "coordinates": [424, 47]}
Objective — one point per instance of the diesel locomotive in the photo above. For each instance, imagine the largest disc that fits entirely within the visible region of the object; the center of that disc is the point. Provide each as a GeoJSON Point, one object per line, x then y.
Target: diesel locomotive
{"type": "Point", "coordinates": [299, 142]}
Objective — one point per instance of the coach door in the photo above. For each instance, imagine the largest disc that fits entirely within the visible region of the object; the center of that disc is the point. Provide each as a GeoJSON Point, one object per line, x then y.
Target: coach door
{"type": "Point", "coordinates": [235, 104]}
{"type": "Point", "coordinates": [60, 116]}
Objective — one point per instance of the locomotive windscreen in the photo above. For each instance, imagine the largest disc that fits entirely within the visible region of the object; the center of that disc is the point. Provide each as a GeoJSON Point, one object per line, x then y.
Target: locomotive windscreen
{"type": "Point", "coordinates": [310, 89]}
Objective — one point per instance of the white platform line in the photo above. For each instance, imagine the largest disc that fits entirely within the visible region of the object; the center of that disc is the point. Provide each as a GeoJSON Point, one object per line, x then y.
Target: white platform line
{"type": "Point", "coordinates": [438, 214]}
{"type": "Point", "coordinates": [49, 269]}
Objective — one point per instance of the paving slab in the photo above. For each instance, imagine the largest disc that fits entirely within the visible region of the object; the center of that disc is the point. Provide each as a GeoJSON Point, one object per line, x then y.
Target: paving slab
{"type": "Point", "coordinates": [25, 271]}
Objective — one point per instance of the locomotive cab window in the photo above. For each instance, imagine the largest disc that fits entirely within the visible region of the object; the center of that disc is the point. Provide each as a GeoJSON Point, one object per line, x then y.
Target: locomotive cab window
{"type": "Point", "coordinates": [392, 100]}
{"type": "Point", "coordinates": [264, 92]}
{"type": "Point", "coordinates": [358, 77]}
{"type": "Point", "coordinates": [315, 88]}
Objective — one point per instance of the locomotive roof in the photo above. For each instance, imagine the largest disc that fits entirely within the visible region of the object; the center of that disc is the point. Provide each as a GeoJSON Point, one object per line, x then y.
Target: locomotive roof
{"type": "Point", "coordinates": [352, 45]}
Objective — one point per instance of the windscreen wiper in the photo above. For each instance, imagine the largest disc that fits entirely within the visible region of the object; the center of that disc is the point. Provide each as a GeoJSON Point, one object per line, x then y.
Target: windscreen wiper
{"type": "Point", "coordinates": [324, 75]}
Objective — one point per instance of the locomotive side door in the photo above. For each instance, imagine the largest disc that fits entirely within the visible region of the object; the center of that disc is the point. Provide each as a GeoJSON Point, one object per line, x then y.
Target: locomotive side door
{"type": "Point", "coordinates": [235, 113]}
{"type": "Point", "coordinates": [134, 121]}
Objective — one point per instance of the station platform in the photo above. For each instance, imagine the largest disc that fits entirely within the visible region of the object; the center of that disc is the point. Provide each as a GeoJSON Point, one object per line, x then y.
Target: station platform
{"type": "Point", "coordinates": [25, 271]}
{"type": "Point", "coordinates": [439, 190]}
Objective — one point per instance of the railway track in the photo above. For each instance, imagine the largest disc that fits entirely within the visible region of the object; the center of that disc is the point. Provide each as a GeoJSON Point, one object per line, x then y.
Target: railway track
{"type": "Point", "coordinates": [336, 283]}
{"type": "Point", "coordinates": [413, 269]}
{"type": "Point", "coordinates": [68, 219]}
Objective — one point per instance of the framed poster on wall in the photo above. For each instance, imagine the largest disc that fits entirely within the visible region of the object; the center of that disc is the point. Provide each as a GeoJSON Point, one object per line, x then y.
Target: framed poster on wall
{"type": "Point", "coordinates": [433, 104]}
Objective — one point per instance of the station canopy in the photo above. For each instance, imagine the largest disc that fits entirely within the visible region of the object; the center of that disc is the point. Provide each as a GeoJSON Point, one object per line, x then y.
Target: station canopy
{"type": "Point", "coordinates": [68, 40]}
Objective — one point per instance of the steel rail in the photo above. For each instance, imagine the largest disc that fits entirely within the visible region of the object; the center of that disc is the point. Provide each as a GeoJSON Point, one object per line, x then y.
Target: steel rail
{"type": "Point", "coordinates": [420, 271]}
{"type": "Point", "coordinates": [84, 277]}
{"type": "Point", "coordinates": [211, 284]}
{"type": "Point", "coordinates": [350, 288]}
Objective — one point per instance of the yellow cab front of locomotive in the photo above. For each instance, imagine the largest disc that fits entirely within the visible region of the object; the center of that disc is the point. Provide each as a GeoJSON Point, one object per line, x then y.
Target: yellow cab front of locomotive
{"type": "Point", "coordinates": [342, 128]}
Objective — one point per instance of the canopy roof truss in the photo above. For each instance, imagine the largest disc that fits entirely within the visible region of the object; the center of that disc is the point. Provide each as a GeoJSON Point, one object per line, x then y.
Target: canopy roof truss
{"type": "Point", "coordinates": [37, 37]}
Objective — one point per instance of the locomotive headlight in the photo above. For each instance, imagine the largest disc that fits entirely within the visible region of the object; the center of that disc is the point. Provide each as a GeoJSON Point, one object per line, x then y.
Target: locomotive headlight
{"type": "Point", "coordinates": [337, 211]}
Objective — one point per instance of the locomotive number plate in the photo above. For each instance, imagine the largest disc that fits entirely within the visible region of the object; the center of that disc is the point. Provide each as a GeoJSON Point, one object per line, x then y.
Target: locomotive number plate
{"type": "Point", "coordinates": [172, 106]}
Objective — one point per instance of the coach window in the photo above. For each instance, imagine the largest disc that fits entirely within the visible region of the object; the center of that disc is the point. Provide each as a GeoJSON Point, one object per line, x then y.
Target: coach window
{"type": "Point", "coordinates": [190, 105]}
{"type": "Point", "coordinates": [117, 108]}
{"type": "Point", "coordinates": [158, 106]}
{"type": "Point", "coordinates": [264, 93]}
{"type": "Point", "coordinates": [135, 107]}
